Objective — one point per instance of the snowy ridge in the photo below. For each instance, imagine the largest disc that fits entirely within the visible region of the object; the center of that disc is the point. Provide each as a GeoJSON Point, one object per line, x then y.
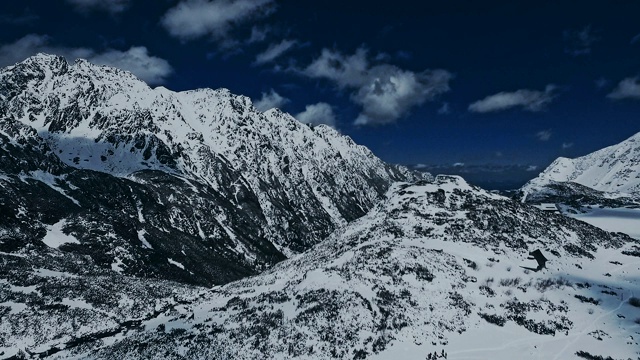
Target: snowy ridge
{"type": "Point", "coordinates": [142, 175]}
{"type": "Point", "coordinates": [104, 119]}
{"type": "Point", "coordinates": [614, 169]}
{"type": "Point", "coordinates": [435, 267]}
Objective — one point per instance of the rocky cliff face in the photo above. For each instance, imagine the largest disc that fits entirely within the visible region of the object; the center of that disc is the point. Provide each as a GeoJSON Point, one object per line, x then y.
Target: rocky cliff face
{"type": "Point", "coordinates": [195, 186]}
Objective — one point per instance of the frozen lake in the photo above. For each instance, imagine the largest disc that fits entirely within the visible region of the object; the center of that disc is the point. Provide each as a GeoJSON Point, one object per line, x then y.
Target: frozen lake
{"type": "Point", "coordinates": [618, 219]}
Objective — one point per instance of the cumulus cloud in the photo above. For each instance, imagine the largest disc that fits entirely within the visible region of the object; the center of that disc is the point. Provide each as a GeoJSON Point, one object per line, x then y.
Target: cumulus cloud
{"type": "Point", "coordinates": [137, 60]}
{"type": "Point", "coordinates": [345, 71]}
{"type": "Point", "coordinates": [628, 88]}
{"type": "Point", "coordinates": [578, 42]}
{"type": "Point", "coordinates": [112, 6]}
{"type": "Point", "coordinates": [274, 51]}
{"type": "Point", "coordinates": [532, 168]}
{"type": "Point", "coordinates": [151, 69]}
{"type": "Point", "coordinates": [530, 100]}
{"type": "Point", "coordinates": [32, 44]}
{"type": "Point", "coordinates": [544, 135]}
{"type": "Point", "coordinates": [385, 92]}
{"type": "Point", "coordinates": [192, 19]}
{"type": "Point", "coordinates": [316, 114]}
{"type": "Point", "coordinates": [566, 145]}
{"type": "Point", "coordinates": [270, 100]}
{"type": "Point", "coordinates": [258, 34]}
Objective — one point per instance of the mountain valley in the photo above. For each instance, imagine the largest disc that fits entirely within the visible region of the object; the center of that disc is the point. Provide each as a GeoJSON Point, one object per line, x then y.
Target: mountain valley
{"type": "Point", "coordinates": [145, 223]}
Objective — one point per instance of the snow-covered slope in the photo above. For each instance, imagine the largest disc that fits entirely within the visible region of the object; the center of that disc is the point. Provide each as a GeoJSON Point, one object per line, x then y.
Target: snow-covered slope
{"type": "Point", "coordinates": [143, 225]}
{"type": "Point", "coordinates": [614, 169]}
{"type": "Point", "coordinates": [574, 197]}
{"type": "Point", "coordinates": [143, 176]}
{"type": "Point", "coordinates": [438, 266]}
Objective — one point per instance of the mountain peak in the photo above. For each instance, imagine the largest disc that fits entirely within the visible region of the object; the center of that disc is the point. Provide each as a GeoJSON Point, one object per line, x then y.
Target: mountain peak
{"type": "Point", "coordinates": [43, 63]}
{"type": "Point", "coordinates": [45, 59]}
{"type": "Point", "coordinates": [259, 187]}
{"type": "Point", "coordinates": [614, 169]}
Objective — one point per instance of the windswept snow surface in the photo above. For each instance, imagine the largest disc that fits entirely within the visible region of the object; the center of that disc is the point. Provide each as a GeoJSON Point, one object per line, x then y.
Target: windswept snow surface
{"type": "Point", "coordinates": [175, 263]}
{"type": "Point", "coordinates": [55, 237]}
{"type": "Point", "coordinates": [437, 266]}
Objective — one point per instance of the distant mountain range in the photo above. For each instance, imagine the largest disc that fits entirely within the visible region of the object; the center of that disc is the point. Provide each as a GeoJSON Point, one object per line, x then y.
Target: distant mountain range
{"type": "Point", "coordinates": [609, 177]}
{"type": "Point", "coordinates": [501, 177]}
{"type": "Point", "coordinates": [614, 170]}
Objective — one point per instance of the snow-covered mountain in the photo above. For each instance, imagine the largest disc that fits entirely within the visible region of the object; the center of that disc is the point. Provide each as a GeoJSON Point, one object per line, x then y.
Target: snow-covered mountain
{"type": "Point", "coordinates": [614, 170]}
{"type": "Point", "coordinates": [194, 186]}
{"type": "Point", "coordinates": [120, 205]}
{"type": "Point", "coordinates": [437, 266]}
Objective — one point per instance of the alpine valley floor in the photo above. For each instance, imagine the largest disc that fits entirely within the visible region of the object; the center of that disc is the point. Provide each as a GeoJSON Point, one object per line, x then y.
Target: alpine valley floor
{"type": "Point", "coordinates": [624, 220]}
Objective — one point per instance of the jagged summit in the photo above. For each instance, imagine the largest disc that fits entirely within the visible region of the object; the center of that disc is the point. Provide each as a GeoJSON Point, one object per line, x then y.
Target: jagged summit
{"type": "Point", "coordinates": [614, 169]}
{"type": "Point", "coordinates": [234, 185]}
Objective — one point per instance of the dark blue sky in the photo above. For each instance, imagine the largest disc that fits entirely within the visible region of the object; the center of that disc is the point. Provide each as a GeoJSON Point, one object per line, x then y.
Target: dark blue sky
{"type": "Point", "coordinates": [431, 82]}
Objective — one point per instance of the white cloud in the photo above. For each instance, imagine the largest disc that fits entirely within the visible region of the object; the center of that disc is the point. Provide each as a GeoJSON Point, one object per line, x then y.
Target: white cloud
{"type": "Point", "coordinates": [458, 164]}
{"type": "Point", "coordinates": [532, 168]}
{"type": "Point", "coordinates": [566, 145]}
{"type": "Point", "coordinates": [320, 113]}
{"type": "Point", "coordinates": [258, 34]}
{"type": "Point", "coordinates": [544, 135]}
{"type": "Point", "coordinates": [628, 88]}
{"type": "Point", "coordinates": [151, 69]}
{"type": "Point", "coordinates": [112, 6]}
{"type": "Point", "coordinates": [385, 92]}
{"type": "Point", "coordinates": [192, 19]}
{"type": "Point", "coordinates": [530, 100]}
{"type": "Point", "coordinates": [270, 100]}
{"type": "Point", "coordinates": [274, 51]}
{"type": "Point", "coordinates": [578, 42]}
{"type": "Point", "coordinates": [32, 44]}
{"type": "Point", "coordinates": [345, 71]}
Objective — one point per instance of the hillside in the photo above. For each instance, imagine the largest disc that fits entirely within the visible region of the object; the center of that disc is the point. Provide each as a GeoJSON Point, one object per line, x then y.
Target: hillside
{"type": "Point", "coordinates": [436, 266]}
